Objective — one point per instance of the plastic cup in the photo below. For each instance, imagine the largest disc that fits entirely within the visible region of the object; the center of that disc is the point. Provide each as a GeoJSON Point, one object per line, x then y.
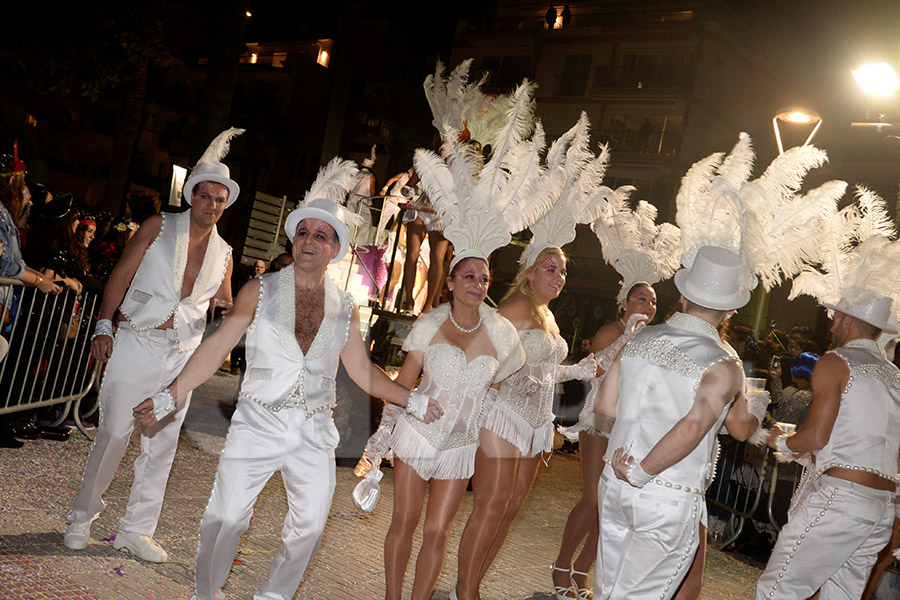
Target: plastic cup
{"type": "Point", "coordinates": [787, 427]}
{"type": "Point", "coordinates": [754, 385]}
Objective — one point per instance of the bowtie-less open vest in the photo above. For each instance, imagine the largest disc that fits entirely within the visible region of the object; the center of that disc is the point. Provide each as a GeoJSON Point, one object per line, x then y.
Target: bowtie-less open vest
{"type": "Point", "coordinates": [282, 423]}
{"type": "Point", "coordinates": [648, 536]}
{"type": "Point", "coordinates": [835, 527]}
{"type": "Point", "coordinates": [144, 361]}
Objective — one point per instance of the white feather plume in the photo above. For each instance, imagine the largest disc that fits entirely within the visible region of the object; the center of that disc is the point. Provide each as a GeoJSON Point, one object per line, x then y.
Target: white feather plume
{"type": "Point", "coordinates": [333, 182]}
{"type": "Point", "coordinates": [452, 98]}
{"type": "Point", "coordinates": [636, 247]}
{"type": "Point", "coordinates": [219, 147]}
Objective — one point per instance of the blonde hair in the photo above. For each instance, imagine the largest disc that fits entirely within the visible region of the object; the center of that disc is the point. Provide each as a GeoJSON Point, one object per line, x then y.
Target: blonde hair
{"type": "Point", "coordinates": [522, 285]}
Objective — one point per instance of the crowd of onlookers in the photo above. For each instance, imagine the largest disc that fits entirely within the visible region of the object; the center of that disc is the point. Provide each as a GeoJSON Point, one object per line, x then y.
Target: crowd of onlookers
{"type": "Point", "coordinates": [49, 243]}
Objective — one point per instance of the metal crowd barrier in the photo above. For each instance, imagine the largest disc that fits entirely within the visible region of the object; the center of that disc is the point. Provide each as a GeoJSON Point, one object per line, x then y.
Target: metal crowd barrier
{"type": "Point", "coordinates": [750, 483]}
{"type": "Point", "coordinates": [48, 360]}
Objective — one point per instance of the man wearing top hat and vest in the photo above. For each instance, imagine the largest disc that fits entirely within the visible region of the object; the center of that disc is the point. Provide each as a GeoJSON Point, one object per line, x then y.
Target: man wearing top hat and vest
{"type": "Point", "coordinates": [162, 287]}
{"type": "Point", "coordinates": [843, 512]}
{"type": "Point", "coordinates": [298, 325]}
{"type": "Point", "coordinates": [670, 390]}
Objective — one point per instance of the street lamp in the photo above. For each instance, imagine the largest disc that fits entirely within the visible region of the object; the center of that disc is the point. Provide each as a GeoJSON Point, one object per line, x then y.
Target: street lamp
{"type": "Point", "coordinates": [791, 116]}
{"type": "Point", "coordinates": [880, 83]}
{"type": "Point", "coordinates": [796, 116]}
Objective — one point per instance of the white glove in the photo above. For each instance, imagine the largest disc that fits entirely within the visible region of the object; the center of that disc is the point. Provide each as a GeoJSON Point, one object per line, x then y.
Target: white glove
{"type": "Point", "coordinates": [757, 404]}
{"type": "Point", "coordinates": [380, 442]}
{"type": "Point", "coordinates": [367, 491]}
{"type": "Point", "coordinates": [416, 405]}
{"type": "Point", "coordinates": [636, 475]}
{"type": "Point", "coordinates": [525, 384]}
{"type": "Point", "coordinates": [585, 369]}
{"type": "Point", "coordinates": [103, 327]}
{"type": "Point", "coordinates": [163, 403]}
{"type": "Point", "coordinates": [606, 356]}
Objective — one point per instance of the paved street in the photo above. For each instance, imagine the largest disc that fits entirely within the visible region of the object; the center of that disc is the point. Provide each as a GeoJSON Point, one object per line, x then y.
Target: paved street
{"type": "Point", "coordinates": [40, 480]}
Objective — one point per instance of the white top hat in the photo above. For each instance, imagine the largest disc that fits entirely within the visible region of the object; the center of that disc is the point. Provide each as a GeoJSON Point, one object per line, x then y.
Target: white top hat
{"type": "Point", "coordinates": [873, 309]}
{"type": "Point", "coordinates": [320, 202]}
{"type": "Point", "coordinates": [713, 281]}
{"type": "Point", "coordinates": [211, 168]}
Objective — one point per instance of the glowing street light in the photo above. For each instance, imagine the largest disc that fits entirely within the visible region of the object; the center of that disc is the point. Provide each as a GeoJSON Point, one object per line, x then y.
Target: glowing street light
{"type": "Point", "coordinates": [795, 116]}
{"type": "Point", "coordinates": [877, 79]}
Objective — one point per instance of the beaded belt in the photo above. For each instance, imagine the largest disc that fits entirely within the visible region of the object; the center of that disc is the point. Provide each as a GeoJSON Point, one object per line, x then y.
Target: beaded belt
{"type": "Point", "coordinates": [667, 484]}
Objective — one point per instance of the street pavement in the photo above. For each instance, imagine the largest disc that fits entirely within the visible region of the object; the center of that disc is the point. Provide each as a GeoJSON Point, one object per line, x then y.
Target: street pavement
{"type": "Point", "coordinates": [40, 480]}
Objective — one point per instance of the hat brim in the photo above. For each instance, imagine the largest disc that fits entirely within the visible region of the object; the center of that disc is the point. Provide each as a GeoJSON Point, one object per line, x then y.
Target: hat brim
{"type": "Point", "coordinates": [310, 212]}
{"type": "Point", "coordinates": [701, 298]}
{"type": "Point", "coordinates": [883, 326]}
{"type": "Point", "coordinates": [234, 189]}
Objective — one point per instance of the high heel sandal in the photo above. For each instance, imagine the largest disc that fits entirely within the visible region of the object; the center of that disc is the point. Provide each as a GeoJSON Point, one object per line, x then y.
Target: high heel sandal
{"type": "Point", "coordinates": [581, 593]}
{"type": "Point", "coordinates": [559, 592]}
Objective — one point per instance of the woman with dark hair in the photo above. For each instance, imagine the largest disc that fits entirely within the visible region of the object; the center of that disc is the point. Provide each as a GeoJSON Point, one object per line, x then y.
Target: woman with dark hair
{"type": "Point", "coordinates": [519, 425]}
{"type": "Point", "coordinates": [461, 349]}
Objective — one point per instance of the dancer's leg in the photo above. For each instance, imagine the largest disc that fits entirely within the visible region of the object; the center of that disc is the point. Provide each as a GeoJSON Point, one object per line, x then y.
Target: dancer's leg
{"type": "Point", "coordinates": [496, 463]}
{"type": "Point", "coordinates": [438, 246]}
{"type": "Point", "coordinates": [528, 468]}
{"type": "Point", "coordinates": [415, 233]}
{"type": "Point", "coordinates": [409, 497]}
{"type": "Point", "coordinates": [583, 519]}
{"type": "Point", "coordinates": [444, 498]}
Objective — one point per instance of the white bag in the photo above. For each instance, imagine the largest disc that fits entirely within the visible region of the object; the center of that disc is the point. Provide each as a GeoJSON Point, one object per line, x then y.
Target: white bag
{"type": "Point", "coordinates": [367, 491]}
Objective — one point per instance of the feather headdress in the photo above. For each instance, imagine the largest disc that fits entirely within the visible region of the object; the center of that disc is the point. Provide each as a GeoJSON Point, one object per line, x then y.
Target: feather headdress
{"type": "Point", "coordinates": [856, 260]}
{"type": "Point", "coordinates": [484, 205]}
{"type": "Point", "coordinates": [211, 168]}
{"type": "Point", "coordinates": [323, 202]}
{"type": "Point", "coordinates": [764, 221]}
{"type": "Point", "coordinates": [639, 249]}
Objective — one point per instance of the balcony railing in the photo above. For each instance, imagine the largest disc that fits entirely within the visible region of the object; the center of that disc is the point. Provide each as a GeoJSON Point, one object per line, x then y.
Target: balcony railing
{"type": "Point", "coordinates": [665, 76]}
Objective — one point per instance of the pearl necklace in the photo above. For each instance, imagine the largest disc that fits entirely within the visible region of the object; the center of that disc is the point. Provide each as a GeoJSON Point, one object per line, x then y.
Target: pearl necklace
{"type": "Point", "coordinates": [463, 329]}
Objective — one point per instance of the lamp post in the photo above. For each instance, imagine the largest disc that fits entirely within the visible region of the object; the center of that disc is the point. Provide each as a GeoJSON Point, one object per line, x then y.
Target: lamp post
{"type": "Point", "coordinates": [879, 82]}
{"type": "Point", "coordinates": [802, 118]}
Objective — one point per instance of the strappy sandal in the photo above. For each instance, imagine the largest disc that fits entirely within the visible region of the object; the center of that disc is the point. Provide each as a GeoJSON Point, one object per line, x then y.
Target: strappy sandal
{"type": "Point", "coordinates": [560, 592]}
{"type": "Point", "coordinates": [581, 593]}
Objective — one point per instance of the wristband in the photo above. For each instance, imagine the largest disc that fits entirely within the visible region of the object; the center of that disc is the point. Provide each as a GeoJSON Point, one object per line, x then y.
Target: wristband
{"type": "Point", "coordinates": [163, 403]}
{"type": "Point", "coordinates": [417, 405]}
{"type": "Point", "coordinates": [103, 327]}
{"type": "Point", "coordinates": [781, 444]}
{"type": "Point", "coordinates": [636, 475]}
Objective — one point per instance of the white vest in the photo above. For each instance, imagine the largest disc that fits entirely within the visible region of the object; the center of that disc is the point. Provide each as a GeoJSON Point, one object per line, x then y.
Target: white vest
{"type": "Point", "coordinates": [866, 434]}
{"type": "Point", "coordinates": [155, 292]}
{"type": "Point", "coordinates": [278, 373]}
{"type": "Point", "coordinates": [658, 377]}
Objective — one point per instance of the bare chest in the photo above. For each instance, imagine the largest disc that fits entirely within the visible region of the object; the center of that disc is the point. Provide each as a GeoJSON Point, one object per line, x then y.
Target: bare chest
{"type": "Point", "coordinates": [309, 311]}
{"type": "Point", "coordinates": [196, 253]}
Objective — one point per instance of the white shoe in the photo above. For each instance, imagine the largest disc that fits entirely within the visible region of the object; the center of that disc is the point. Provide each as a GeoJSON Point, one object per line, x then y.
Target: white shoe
{"type": "Point", "coordinates": [141, 546]}
{"type": "Point", "coordinates": [77, 536]}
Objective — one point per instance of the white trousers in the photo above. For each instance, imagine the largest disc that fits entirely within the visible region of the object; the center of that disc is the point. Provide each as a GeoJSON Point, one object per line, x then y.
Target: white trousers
{"type": "Point", "coordinates": [830, 543]}
{"type": "Point", "coordinates": [648, 538]}
{"type": "Point", "coordinates": [140, 366]}
{"type": "Point", "coordinates": [261, 442]}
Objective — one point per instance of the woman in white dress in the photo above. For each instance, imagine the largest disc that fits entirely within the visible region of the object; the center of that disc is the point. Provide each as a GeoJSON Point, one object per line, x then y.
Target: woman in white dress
{"type": "Point", "coordinates": [461, 349]}
{"type": "Point", "coordinates": [519, 425]}
{"type": "Point", "coordinates": [570, 579]}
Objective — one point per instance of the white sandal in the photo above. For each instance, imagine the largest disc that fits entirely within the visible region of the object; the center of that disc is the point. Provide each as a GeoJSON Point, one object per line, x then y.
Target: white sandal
{"type": "Point", "coordinates": [559, 592]}
{"type": "Point", "coordinates": [581, 593]}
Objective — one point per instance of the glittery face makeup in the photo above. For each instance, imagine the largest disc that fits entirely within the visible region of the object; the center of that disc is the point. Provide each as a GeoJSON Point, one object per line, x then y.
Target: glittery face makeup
{"type": "Point", "coordinates": [549, 278]}
{"type": "Point", "coordinates": [642, 300]}
{"type": "Point", "coordinates": [315, 239]}
{"type": "Point", "coordinates": [470, 281]}
{"type": "Point", "coordinates": [208, 202]}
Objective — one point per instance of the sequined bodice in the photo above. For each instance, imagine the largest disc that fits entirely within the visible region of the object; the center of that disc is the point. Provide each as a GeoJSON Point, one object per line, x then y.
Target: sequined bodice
{"type": "Point", "coordinates": [543, 353]}
{"type": "Point", "coordinates": [459, 385]}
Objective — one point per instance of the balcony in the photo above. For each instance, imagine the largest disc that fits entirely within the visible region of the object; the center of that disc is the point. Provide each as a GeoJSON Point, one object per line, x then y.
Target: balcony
{"type": "Point", "coordinates": [656, 143]}
{"type": "Point", "coordinates": [643, 77]}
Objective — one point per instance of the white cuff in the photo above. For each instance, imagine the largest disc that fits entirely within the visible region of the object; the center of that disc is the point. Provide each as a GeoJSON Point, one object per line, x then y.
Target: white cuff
{"type": "Point", "coordinates": [757, 405]}
{"type": "Point", "coordinates": [417, 405]}
{"type": "Point", "coordinates": [636, 475]}
{"type": "Point", "coordinates": [103, 327]}
{"type": "Point", "coordinates": [781, 444]}
{"type": "Point", "coordinates": [163, 403]}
